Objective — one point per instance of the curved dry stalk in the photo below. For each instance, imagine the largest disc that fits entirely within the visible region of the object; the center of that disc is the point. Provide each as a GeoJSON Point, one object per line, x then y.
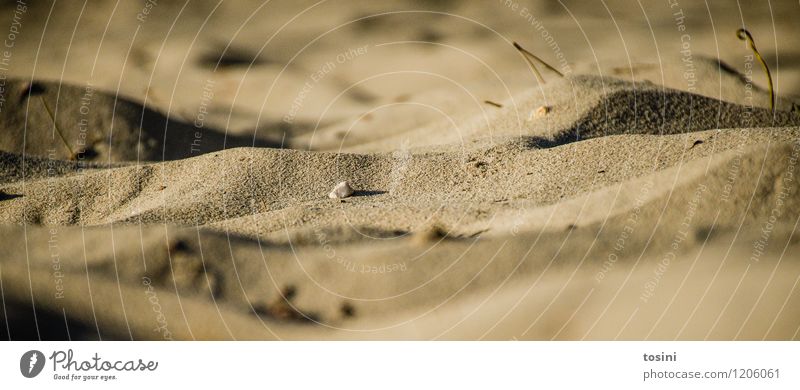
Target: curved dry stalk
{"type": "Point", "coordinates": [743, 35]}
{"type": "Point", "coordinates": [55, 124]}
{"type": "Point", "coordinates": [529, 57]}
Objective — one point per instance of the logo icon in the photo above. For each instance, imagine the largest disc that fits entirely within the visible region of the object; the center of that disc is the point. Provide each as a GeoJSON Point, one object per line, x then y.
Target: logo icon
{"type": "Point", "coordinates": [31, 363]}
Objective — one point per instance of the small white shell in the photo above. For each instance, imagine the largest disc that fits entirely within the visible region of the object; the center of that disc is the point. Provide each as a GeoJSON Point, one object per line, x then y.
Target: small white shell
{"type": "Point", "coordinates": [341, 190]}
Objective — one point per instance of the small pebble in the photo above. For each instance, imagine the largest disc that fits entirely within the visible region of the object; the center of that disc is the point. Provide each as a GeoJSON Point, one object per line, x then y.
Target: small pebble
{"type": "Point", "coordinates": [341, 190]}
{"type": "Point", "coordinates": [539, 112]}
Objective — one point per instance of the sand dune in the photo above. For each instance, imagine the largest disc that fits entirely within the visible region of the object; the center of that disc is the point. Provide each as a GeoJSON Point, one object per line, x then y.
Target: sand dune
{"type": "Point", "coordinates": [209, 285]}
{"type": "Point", "coordinates": [581, 107]}
{"type": "Point", "coordinates": [622, 201]}
{"type": "Point", "coordinates": [348, 265]}
{"type": "Point", "coordinates": [100, 126]}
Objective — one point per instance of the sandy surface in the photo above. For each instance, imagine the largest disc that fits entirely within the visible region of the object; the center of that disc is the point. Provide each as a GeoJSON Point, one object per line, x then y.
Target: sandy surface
{"type": "Point", "coordinates": [179, 189]}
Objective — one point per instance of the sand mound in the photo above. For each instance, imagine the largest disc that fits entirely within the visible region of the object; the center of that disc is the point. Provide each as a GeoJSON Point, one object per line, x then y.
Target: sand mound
{"type": "Point", "coordinates": [211, 285]}
{"type": "Point", "coordinates": [640, 197]}
{"type": "Point", "coordinates": [270, 190]}
{"type": "Point", "coordinates": [97, 126]}
{"type": "Point", "coordinates": [579, 107]}
{"type": "Point", "coordinates": [720, 176]}
{"type": "Point", "coordinates": [258, 192]}
{"type": "Point", "coordinates": [720, 80]}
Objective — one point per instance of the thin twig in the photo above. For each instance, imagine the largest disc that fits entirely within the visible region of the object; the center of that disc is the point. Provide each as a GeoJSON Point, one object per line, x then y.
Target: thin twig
{"type": "Point", "coordinates": [529, 57]}
{"type": "Point", "coordinates": [743, 35]}
{"type": "Point", "coordinates": [55, 125]}
{"type": "Point", "coordinates": [531, 65]}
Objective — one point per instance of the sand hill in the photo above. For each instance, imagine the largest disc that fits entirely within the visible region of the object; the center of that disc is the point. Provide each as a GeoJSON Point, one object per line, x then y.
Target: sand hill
{"type": "Point", "coordinates": [617, 202]}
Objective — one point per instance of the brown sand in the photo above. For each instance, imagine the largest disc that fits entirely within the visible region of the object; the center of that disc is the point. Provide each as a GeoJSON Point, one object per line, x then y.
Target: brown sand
{"type": "Point", "coordinates": [633, 207]}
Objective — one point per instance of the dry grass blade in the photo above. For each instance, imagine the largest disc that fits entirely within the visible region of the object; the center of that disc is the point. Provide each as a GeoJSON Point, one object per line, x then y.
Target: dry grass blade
{"type": "Point", "coordinates": [743, 35]}
{"type": "Point", "coordinates": [529, 57]}
{"type": "Point", "coordinates": [55, 125]}
{"type": "Point", "coordinates": [531, 65]}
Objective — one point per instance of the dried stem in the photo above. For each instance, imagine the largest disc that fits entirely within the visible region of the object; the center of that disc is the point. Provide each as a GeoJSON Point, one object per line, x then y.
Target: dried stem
{"type": "Point", "coordinates": [529, 57]}
{"type": "Point", "coordinates": [55, 125]}
{"type": "Point", "coordinates": [743, 35]}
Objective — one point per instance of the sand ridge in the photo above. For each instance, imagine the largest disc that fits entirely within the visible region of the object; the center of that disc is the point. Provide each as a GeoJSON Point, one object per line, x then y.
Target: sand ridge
{"type": "Point", "coordinates": [490, 202]}
{"type": "Point", "coordinates": [179, 190]}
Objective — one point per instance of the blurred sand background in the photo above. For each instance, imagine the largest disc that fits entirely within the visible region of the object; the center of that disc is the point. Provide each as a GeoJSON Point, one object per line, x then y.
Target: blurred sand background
{"type": "Point", "coordinates": [165, 170]}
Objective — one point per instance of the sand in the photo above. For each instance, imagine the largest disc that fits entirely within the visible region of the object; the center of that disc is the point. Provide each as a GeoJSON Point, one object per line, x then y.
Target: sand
{"type": "Point", "coordinates": [188, 199]}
